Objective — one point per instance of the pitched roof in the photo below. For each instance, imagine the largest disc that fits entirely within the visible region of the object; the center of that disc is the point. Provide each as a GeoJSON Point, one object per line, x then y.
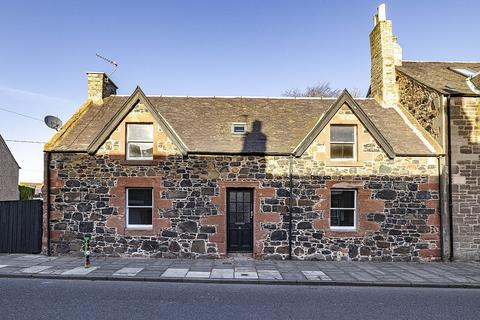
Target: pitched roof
{"type": "Point", "coordinates": [345, 98]}
{"type": "Point", "coordinates": [440, 76]}
{"type": "Point", "coordinates": [4, 148]}
{"type": "Point", "coordinates": [203, 124]}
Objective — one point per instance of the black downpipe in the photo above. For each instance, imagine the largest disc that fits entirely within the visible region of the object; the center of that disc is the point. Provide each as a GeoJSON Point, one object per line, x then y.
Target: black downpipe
{"type": "Point", "coordinates": [47, 188]}
{"type": "Point", "coordinates": [450, 180]}
{"type": "Point", "coordinates": [440, 204]}
{"type": "Point", "coordinates": [290, 210]}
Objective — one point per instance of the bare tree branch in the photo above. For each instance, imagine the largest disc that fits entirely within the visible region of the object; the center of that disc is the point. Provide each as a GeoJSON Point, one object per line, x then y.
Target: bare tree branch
{"type": "Point", "coordinates": [321, 90]}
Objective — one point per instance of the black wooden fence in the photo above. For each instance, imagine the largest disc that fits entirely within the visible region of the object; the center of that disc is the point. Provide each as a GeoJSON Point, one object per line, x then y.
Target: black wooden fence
{"type": "Point", "coordinates": [21, 226]}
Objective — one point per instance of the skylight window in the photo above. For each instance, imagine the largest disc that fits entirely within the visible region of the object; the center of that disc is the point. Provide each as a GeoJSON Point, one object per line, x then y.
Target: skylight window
{"type": "Point", "coordinates": [467, 72]}
{"type": "Point", "coordinates": [239, 128]}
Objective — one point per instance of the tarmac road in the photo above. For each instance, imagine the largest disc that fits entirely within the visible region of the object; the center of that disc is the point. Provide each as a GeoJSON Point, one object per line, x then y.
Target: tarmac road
{"type": "Point", "coordinates": [73, 299]}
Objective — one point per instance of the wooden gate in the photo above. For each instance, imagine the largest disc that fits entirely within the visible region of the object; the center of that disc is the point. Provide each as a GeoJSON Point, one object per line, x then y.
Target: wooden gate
{"type": "Point", "coordinates": [21, 226]}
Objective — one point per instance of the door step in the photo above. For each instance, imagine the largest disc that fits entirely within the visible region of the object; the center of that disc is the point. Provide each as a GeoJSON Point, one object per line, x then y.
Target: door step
{"type": "Point", "coordinates": [240, 256]}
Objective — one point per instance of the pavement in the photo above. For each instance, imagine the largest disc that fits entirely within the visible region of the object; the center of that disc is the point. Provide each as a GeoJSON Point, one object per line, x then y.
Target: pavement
{"type": "Point", "coordinates": [74, 299]}
{"type": "Point", "coordinates": [246, 270]}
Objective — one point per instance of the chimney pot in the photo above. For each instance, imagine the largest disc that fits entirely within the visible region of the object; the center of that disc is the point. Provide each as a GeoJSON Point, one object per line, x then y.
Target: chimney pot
{"type": "Point", "coordinates": [381, 12]}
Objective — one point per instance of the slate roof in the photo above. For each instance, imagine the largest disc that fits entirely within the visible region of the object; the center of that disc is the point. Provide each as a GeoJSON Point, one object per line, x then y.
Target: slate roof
{"type": "Point", "coordinates": [204, 123]}
{"type": "Point", "coordinates": [439, 76]}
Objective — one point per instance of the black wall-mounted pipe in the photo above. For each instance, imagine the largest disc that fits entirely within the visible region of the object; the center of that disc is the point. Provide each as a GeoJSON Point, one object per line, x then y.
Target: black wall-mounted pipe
{"type": "Point", "coordinates": [47, 189]}
{"type": "Point", "coordinates": [450, 180]}
{"type": "Point", "coordinates": [290, 208]}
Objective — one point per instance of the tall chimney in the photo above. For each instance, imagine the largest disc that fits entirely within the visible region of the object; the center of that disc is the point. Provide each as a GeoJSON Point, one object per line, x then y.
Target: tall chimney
{"type": "Point", "coordinates": [385, 54]}
{"type": "Point", "coordinates": [100, 86]}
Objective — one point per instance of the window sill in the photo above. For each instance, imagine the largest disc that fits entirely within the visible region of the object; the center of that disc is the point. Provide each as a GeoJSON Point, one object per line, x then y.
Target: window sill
{"type": "Point", "coordinates": [343, 229]}
{"type": "Point", "coordinates": [343, 163]}
{"type": "Point", "coordinates": [139, 228]}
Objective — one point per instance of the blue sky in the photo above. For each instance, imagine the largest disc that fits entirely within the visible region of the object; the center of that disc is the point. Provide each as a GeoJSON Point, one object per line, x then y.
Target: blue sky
{"type": "Point", "coordinates": [202, 48]}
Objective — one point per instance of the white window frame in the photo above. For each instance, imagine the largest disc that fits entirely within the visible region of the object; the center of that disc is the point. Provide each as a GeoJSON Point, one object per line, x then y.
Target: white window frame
{"type": "Point", "coordinates": [236, 124]}
{"type": "Point", "coordinates": [344, 142]}
{"type": "Point", "coordinates": [127, 212]}
{"type": "Point", "coordinates": [127, 151]}
{"type": "Point", "coordinates": [355, 215]}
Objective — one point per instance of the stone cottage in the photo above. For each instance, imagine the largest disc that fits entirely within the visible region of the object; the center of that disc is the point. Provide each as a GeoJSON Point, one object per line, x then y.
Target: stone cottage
{"type": "Point", "coordinates": [276, 178]}
{"type": "Point", "coordinates": [8, 173]}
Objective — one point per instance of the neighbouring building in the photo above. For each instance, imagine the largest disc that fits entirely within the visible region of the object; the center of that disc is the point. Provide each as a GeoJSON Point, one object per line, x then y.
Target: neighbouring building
{"type": "Point", "coordinates": [8, 173]}
{"type": "Point", "coordinates": [301, 178]}
{"type": "Point", "coordinates": [444, 98]}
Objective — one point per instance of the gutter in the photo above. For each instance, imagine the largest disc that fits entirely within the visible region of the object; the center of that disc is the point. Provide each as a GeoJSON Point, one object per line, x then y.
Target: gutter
{"type": "Point", "coordinates": [290, 208]}
{"type": "Point", "coordinates": [450, 180]}
{"type": "Point", "coordinates": [47, 187]}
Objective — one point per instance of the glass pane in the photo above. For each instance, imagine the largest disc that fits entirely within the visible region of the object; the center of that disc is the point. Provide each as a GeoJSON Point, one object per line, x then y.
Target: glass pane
{"type": "Point", "coordinates": [342, 218]}
{"type": "Point", "coordinates": [140, 132]}
{"type": "Point", "coordinates": [140, 216]}
{"type": "Point", "coordinates": [232, 206]}
{"type": "Point", "coordinates": [342, 199]}
{"type": "Point", "coordinates": [239, 196]}
{"type": "Point", "coordinates": [140, 150]}
{"type": "Point", "coordinates": [238, 128]}
{"type": "Point", "coordinates": [232, 196]}
{"type": "Point", "coordinates": [240, 207]}
{"type": "Point", "coordinates": [139, 197]}
{"type": "Point", "coordinates": [342, 133]}
{"type": "Point", "coordinates": [341, 151]}
{"type": "Point", "coordinates": [246, 197]}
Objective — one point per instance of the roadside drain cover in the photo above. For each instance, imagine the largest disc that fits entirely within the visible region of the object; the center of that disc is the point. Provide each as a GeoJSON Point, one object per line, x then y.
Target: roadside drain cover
{"type": "Point", "coordinates": [244, 274]}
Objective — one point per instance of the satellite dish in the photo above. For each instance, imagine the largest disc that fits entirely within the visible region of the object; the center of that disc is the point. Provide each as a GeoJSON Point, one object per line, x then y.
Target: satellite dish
{"type": "Point", "coordinates": [53, 122]}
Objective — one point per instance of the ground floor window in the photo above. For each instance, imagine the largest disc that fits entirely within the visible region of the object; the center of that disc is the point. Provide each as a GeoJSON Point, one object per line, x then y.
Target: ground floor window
{"type": "Point", "coordinates": [343, 214]}
{"type": "Point", "coordinates": [139, 207]}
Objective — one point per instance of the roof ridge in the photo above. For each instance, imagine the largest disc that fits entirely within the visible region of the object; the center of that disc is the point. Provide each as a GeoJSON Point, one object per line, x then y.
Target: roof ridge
{"type": "Point", "coordinates": [432, 61]}
{"type": "Point", "coordinates": [242, 97]}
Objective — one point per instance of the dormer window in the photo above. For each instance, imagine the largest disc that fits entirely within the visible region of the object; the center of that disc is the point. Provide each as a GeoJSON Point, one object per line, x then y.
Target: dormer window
{"type": "Point", "coordinates": [342, 142]}
{"type": "Point", "coordinates": [139, 142]}
{"type": "Point", "coordinates": [239, 128]}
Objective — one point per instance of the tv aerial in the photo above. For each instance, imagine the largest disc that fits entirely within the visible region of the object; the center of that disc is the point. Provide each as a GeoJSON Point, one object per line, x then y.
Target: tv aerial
{"type": "Point", "coordinates": [53, 122]}
{"type": "Point", "coordinates": [112, 62]}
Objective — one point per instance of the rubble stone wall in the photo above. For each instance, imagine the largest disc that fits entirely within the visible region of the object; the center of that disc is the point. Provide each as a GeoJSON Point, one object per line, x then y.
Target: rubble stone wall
{"type": "Point", "coordinates": [397, 201]}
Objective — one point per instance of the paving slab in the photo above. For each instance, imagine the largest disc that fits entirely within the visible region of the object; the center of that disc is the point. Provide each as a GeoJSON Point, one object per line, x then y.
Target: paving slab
{"type": "Point", "coordinates": [175, 273]}
{"type": "Point", "coordinates": [246, 275]}
{"type": "Point", "coordinates": [269, 275]}
{"type": "Point", "coordinates": [316, 275]}
{"type": "Point", "coordinates": [198, 274]}
{"type": "Point", "coordinates": [221, 273]}
{"type": "Point", "coordinates": [35, 269]}
{"type": "Point", "coordinates": [128, 272]}
{"type": "Point", "coordinates": [79, 271]}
